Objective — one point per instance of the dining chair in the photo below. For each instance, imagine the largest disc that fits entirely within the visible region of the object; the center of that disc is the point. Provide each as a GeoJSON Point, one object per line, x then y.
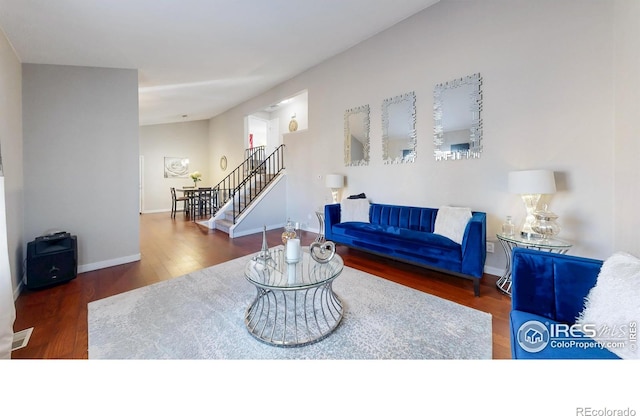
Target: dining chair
{"type": "Point", "coordinates": [174, 202]}
{"type": "Point", "coordinates": [203, 201]}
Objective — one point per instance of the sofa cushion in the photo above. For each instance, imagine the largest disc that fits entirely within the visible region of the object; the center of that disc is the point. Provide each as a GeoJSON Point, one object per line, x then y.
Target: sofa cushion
{"type": "Point", "coordinates": [391, 239]}
{"type": "Point", "coordinates": [356, 209]}
{"type": "Point", "coordinates": [413, 218]}
{"type": "Point", "coordinates": [451, 222]}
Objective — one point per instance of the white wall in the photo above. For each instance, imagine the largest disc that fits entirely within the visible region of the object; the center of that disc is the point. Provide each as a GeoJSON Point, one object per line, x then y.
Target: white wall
{"type": "Point", "coordinates": [186, 139]}
{"type": "Point", "coordinates": [11, 200]}
{"type": "Point", "coordinates": [81, 159]}
{"type": "Point", "coordinates": [548, 88]}
{"type": "Point", "coordinates": [226, 139]}
{"type": "Point", "coordinates": [298, 106]}
{"type": "Point", "coordinates": [627, 125]}
{"type": "Point", "coordinates": [270, 211]}
{"type": "Point", "coordinates": [11, 146]}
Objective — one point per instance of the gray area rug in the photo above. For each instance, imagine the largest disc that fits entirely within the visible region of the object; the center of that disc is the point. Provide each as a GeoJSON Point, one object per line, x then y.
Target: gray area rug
{"type": "Point", "coordinates": [201, 316]}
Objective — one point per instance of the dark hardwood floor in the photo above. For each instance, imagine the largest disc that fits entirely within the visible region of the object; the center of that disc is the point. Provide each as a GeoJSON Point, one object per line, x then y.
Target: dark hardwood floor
{"type": "Point", "coordinates": [173, 247]}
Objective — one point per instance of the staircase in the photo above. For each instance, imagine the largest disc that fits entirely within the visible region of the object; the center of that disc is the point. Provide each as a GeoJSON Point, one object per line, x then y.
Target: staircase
{"type": "Point", "coordinates": [244, 186]}
{"type": "Point", "coordinates": [231, 215]}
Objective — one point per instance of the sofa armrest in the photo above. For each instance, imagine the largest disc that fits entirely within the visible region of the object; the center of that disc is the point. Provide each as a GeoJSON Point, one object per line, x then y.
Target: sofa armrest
{"type": "Point", "coordinates": [550, 284]}
{"type": "Point", "coordinates": [331, 217]}
{"type": "Point", "coordinates": [474, 245]}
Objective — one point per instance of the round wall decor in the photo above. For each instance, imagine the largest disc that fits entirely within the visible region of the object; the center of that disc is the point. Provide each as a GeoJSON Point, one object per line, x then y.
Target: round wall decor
{"type": "Point", "coordinates": [223, 163]}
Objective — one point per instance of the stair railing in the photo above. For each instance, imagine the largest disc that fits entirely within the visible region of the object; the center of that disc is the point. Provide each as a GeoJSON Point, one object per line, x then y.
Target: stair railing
{"type": "Point", "coordinates": [247, 174]}
{"type": "Point", "coordinates": [263, 174]}
{"type": "Point", "coordinates": [225, 189]}
{"type": "Point", "coordinates": [257, 153]}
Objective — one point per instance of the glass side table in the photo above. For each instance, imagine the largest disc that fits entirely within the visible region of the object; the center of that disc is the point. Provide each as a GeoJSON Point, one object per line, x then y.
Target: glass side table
{"type": "Point", "coordinates": [508, 243]}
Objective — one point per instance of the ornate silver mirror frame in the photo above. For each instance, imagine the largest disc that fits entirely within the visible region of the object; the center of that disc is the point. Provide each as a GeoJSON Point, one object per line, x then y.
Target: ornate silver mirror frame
{"type": "Point", "coordinates": [457, 107]}
{"type": "Point", "coordinates": [399, 139]}
{"type": "Point", "coordinates": [356, 136]}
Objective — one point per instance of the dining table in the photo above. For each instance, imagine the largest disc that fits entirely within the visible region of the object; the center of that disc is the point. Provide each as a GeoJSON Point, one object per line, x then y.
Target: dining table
{"type": "Point", "coordinates": [194, 204]}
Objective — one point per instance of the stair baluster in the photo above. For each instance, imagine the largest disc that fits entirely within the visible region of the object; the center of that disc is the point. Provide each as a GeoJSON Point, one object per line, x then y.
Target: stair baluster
{"type": "Point", "coordinates": [243, 185]}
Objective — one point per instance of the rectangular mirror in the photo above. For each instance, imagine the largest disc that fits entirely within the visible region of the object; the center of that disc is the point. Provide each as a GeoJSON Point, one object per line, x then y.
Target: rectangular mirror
{"type": "Point", "coordinates": [356, 136]}
{"type": "Point", "coordinates": [457, 107]}
{"type": "Point", "coordinates": [399, 139]}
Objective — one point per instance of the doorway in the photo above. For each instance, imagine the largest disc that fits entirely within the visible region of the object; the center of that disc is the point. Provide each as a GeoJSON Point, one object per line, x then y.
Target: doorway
{"type": "Point", "coordinates": [141, 184]}
{"type": "Point", "coordinates": [266, 127]}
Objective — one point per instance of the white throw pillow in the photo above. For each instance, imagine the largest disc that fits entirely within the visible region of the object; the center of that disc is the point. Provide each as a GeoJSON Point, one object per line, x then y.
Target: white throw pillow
{"type": "Point", "coordinates": [613, 304]}
{"type": "Point", "coordinates": [451, 222]}
{"type": "Point", "coordinates": [354, 210]}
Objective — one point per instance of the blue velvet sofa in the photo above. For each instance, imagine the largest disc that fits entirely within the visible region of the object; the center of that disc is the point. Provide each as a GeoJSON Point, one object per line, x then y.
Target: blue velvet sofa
{"type": "Point", "coordinates": [406, 234]}
{"type": "Point", "coordinates": [549, 289]}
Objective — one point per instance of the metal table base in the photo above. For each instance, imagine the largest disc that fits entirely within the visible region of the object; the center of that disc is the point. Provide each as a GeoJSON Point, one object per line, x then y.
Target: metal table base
{"type": "Point", "coordinates": [293, 318]}
{"type": "Point", "coordinates": [295, 304]}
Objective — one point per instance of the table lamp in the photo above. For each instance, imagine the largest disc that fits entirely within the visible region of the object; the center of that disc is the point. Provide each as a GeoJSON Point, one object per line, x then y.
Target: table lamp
{"type": "Point", "coordinates": [531, 185]}
{"type": "Point", "coordinates": [335, 181]}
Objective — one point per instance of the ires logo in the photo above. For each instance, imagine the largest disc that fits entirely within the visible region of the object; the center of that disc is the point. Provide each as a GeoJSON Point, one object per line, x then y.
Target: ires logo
{"type": "Point", "coordinates": [572, 331]}
{"type": "Point", "coordinates": [534, 336]}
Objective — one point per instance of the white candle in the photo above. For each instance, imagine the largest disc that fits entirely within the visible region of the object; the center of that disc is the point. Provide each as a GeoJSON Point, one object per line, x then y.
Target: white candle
{"type": "Point", "coordinates": [293, 249]}
{"type": "Point", "coordinates": [291, 273]}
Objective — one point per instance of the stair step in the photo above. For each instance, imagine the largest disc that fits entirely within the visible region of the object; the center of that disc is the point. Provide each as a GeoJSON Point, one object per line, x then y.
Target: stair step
{"type": "Point", "coordinates": [223, 225]}
{"type": "Point", "coordinates": [228, 215]}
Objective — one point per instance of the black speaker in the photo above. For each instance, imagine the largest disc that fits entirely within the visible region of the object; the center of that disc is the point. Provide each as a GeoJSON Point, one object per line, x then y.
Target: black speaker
{"type": "Point", "coordinates": [51, 259]}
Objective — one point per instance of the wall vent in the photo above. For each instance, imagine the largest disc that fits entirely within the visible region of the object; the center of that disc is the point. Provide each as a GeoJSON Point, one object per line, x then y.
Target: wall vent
{"type": "Point", "coordinates": [21, 339]}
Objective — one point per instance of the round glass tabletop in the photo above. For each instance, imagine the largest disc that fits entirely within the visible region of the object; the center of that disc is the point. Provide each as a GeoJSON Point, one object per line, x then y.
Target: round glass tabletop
{"type": "Point", "coordinates": [551, 243]}
{"type": "Point", "coordinates": [275, 272]}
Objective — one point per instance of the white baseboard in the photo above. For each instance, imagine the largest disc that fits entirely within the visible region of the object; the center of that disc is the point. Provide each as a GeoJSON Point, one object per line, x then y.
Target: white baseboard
{"type": "Point", "coordinates": [493, 271]}
{"type": "Point", "coordinates": [234, 234]}
{"type": "Point", "coordinates": [156, 211]}
{"type": "Point", "coordinates": [17, 290]}
{"type": "Point", "coordinates": [83, 268]}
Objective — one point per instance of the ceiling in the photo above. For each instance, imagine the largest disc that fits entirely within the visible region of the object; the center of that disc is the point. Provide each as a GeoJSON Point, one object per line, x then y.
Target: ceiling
{"type": "Point", "coordinates": [196, 58]}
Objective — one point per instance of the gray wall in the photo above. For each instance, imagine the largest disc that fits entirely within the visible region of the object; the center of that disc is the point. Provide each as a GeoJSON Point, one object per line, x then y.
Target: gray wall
{"type": "Point", "coordinates": [81, 159]}
{"type": "Point", "coordinates": [187, 139]}
{"type": "Point", "coordinates": [548, 104]}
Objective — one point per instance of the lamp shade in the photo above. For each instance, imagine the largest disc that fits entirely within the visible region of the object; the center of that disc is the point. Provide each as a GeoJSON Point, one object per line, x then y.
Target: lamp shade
{"type": "Point", "coordinates": [532, 182]}
{"type": "Point", "coordinates": [334, 180]}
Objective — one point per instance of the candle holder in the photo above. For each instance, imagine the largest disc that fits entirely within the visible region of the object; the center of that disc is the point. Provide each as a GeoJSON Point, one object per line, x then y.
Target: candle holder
{"type": "Point", "coordinates": [289, 232]}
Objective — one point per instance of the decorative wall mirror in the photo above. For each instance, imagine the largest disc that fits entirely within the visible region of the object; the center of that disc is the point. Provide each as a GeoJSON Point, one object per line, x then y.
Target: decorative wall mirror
{"type": "Point", "coordinates": [356, 136]}
{"type": "Point", "coordinates": [399, 139]}
{"type": "Point", "coordinates": [457, 120]}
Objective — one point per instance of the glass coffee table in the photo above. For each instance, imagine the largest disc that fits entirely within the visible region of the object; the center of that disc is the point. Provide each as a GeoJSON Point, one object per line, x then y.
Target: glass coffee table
{"type": "Point", "coordinates": [295, 304]}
